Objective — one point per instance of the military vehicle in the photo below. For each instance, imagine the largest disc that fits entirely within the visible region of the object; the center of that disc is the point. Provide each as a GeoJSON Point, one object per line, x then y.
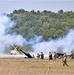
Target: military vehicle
{"type": "Point", "coordinates": [27, 54]}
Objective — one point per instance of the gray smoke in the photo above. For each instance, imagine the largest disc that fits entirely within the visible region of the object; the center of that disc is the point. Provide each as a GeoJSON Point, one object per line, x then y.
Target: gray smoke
{"type": "Point", "coordinates": [62, 44]}
{"type": "Point", "coordinates": [8, 39]}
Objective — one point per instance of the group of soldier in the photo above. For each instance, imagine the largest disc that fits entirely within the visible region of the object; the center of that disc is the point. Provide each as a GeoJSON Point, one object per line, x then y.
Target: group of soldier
{"type": "Point", "coordinates": [40, 55]}
{"type": "Point", "coordinates": [55, 55]}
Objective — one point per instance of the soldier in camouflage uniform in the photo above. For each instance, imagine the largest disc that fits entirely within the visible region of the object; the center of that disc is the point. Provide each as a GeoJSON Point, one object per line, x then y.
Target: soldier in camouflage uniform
{"type": "Point", "coordinates": [64, 59]}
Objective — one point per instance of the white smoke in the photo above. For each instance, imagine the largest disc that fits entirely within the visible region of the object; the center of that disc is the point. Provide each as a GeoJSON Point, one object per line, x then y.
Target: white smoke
{"type": "Point", "coordinates": [8, 39]}
{"type": "Point", "coordinates": [35, 40]}
{"type": "Point", "coordinates": [65, 44]}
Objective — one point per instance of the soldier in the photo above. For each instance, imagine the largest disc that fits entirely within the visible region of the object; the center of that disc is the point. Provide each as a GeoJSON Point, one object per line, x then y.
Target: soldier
{"type": "Point", "coordinates": [71, 55]}
{"type": "Point", "coordinates": [64, 59]}
{"type": "Point", "coordinates": [42, 55]}
{"type": "Point", "coordinates": [38, 55]}
{"type": "Point", "coordinates": [33, 56]}
{"type": "Point", "coordinates": [50, 56]}
{"type": "Point", "coordinates": [55, 55]}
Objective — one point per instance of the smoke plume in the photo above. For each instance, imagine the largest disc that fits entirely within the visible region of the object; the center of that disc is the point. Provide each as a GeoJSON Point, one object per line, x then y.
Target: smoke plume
{"type": "Point", "coordinates": [62, 44]}
{"type": "Point", "coordinates": [8, 39]}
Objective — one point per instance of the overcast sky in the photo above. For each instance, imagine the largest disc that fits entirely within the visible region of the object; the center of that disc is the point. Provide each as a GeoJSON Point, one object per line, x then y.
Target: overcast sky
{"type": "Point", "coordinates": [7, 6]}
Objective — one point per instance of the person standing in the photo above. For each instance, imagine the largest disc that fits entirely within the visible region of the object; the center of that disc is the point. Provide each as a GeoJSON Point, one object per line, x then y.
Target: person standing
{"type": "Point", "coordinates": [54, 56]}
{"type": "Point", "coordinates": [50, 56]}
{"type": "Point", "coordinates": [38, 55]}
{"type": "Point", "coordinates": [64, 59]}
{"type": "Point", "coordinates": [42, 55]}
{"type": "Point", "coordinates": [71, 55]}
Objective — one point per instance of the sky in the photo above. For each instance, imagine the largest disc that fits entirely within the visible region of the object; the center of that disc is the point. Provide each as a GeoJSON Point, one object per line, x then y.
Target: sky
{"type": "Point", "coordinates": [8, 6]}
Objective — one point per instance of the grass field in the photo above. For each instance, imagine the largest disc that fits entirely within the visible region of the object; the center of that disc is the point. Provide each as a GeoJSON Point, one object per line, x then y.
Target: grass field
{"type": "Point", "coordinates": [35, 67]}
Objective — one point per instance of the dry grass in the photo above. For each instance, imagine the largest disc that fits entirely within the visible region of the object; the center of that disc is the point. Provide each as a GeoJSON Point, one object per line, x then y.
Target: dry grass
{"type": "Point", "coordinates": [35, 67]}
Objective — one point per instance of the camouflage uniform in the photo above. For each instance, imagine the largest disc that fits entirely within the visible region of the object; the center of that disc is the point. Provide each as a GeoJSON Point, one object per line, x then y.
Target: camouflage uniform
{"type": "Point", "coordinates": [64, 59]}
{"type": "Point", "coordinates": [38, 55]}
{"type": "Point", "coordinates": [71, 56]}
{"type": "Point", "coordinates": [55, 55]}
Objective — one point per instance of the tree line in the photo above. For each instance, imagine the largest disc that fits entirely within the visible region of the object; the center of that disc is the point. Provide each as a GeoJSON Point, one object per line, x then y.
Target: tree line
{"type": "Point", "coordinates": [45, 23]}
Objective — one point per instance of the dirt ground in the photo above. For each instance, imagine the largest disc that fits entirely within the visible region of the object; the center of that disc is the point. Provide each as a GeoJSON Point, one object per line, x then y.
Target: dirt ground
{"type": "Point", "coordinates": [35, 67]}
